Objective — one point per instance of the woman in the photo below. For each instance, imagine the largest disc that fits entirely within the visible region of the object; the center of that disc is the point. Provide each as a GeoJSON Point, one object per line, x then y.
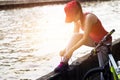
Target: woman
{"type": "Point", "coordinates": [91, 26]}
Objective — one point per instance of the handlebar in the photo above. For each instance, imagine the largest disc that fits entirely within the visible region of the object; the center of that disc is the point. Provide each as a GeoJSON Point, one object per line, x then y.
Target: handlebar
{"type": "Point", "coordinates": [107, 36]}
{"type": "Point", "coordinates": [104, 39]}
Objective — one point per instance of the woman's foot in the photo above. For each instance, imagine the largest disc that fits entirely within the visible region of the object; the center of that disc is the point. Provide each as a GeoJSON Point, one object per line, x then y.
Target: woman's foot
{"type": "Point", "coordinates": [61, 67]}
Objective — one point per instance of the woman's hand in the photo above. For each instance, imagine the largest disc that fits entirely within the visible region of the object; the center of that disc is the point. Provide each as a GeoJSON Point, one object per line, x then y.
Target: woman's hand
{"type": "Point", "coordinates": [69, 53]}
{"type": "Point", "coordinates": [62, 52]}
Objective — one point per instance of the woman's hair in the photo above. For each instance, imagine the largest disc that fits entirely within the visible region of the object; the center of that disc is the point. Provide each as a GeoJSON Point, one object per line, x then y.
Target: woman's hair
{"type": "Point", "coordinates": [79, 5]}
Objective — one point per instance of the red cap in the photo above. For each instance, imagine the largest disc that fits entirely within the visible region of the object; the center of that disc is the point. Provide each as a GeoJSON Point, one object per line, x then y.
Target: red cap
{"type": "Point", "coordinates": [71, 10]}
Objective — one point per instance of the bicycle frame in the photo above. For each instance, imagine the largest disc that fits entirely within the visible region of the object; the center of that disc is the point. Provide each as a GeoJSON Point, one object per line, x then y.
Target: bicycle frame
{"type": "Point", "coordinates": [114, 68]}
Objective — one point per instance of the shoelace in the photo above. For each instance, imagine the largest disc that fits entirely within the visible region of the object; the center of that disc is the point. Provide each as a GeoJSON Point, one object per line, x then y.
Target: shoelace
{"type": "Point", "coordinates": [62, 59]}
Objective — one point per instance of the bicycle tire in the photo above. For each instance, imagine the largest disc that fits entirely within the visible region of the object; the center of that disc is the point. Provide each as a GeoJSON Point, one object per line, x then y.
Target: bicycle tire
{"type": "Point", "coordinates": [93, 72]}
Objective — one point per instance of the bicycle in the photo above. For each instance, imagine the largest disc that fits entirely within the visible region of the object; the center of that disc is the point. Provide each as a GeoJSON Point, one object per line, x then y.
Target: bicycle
{"type": "Point", "coordinates": [108, 68]}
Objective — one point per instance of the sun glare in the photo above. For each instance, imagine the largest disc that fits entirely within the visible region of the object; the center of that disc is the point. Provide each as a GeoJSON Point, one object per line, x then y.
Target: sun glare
{"type": "Point", "coordinates": [46, 33]}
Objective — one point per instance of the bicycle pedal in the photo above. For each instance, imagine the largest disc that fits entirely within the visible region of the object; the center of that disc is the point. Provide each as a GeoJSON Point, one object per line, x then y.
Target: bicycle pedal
{"type": "Point", "coordinates": [118, 62]}
{"type": "Point", "coordinates": [118, 69]}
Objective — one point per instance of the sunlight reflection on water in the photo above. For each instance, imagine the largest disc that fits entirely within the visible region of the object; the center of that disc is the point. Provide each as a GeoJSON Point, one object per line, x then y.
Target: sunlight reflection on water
{"type": "Point", "coordinates": [30, 38]}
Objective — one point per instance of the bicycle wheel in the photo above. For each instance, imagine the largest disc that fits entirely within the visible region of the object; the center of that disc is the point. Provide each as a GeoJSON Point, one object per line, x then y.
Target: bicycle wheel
{"type": "Point", "coordinates": [93, 74]}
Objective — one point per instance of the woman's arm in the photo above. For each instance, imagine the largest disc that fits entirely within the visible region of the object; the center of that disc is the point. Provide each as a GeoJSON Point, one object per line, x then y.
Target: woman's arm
{"type": "Point", "coordinates": [76, 27]}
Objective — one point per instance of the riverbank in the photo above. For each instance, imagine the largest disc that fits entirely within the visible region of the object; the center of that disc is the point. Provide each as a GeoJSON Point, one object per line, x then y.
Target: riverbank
{"type": "Point", "coordinates": [16, 2]}
{"type": "Point", "coordinates": [13, 2]}
{"type": "Point", "coordinates": [6, 4]}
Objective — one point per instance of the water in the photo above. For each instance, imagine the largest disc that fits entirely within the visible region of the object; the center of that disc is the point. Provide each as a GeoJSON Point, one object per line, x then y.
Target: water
{"type": "Point", "coordinates": [30, 38]}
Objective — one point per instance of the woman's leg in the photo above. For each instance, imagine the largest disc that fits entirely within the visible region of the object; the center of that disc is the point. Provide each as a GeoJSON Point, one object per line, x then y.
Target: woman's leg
{"type": "Point", "coordinates": [90, 42]}
{"type": "Point", "coordinates": [74, 39]}
{"type": "Point", "coordinates": [64, 63]}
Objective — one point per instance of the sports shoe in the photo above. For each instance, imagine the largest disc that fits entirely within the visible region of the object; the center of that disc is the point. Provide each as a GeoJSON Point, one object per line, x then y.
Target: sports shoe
{"type": "Point", "coordinates": [61, 67]}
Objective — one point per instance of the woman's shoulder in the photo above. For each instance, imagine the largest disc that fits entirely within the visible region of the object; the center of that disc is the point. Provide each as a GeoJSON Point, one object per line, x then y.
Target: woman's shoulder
{"type": "Point", "coordinates": [89, 13]}
{"type": "Point", "coordinates": [91, 17]}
